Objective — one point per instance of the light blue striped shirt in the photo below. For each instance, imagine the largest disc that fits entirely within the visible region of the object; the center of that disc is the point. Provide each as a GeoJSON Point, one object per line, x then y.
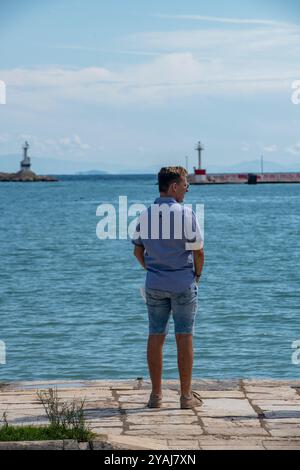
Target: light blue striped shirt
{"type": "Point", "coordinates": [168, 256]}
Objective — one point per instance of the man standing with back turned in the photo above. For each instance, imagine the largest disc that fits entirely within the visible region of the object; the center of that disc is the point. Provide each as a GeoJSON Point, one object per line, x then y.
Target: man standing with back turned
{"type": "Point", "coordinates": [174, 266]}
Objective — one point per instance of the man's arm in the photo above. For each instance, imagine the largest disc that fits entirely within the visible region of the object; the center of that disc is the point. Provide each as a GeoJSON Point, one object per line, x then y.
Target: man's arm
{"type": "Point", "coordinates": [198, 262]}
{"type": "Point", "coordinates": [139, 254]}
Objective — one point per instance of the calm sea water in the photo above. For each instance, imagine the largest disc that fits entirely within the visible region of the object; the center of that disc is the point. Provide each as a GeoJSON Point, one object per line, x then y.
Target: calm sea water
{"type": "Point", "coordinates": [70, 305]}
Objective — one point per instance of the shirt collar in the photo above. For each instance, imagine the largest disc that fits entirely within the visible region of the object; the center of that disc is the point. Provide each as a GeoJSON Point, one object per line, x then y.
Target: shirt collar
{"type": "Point", "coordinates": [165, 200]}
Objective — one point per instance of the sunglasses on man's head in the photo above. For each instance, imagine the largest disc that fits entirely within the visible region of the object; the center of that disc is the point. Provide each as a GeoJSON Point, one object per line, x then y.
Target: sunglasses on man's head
{"type": "Point", "coordinates": [186, 185]}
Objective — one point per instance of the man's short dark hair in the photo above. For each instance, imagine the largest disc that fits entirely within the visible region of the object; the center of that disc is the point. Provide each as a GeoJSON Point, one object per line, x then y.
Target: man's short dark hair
{"type": "Point", "coordinates": [170, 175]}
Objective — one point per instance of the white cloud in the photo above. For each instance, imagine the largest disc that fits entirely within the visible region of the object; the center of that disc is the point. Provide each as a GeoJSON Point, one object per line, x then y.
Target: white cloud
{"type": "Point", "coordinates": [245, 147]}
{"type": "Point", "coordinates": [270, 148]}
{"type": "Point", "coordinates": [55, 77]}
{"type": "Point", "coordinates": [213, 42]}
{"type": "Point", "coordinates": [216, 19]}
{"type": "Point", "coordinates": [4, 138]}
{"type": "Point", "coordinates": [294, 149]}
{"type": "Point", "coordinates": [168, 77]}
{"type": "Point", "coordinates": [59, 146]}
{"type": "Point", "coordinates": [77, 141]}
{"type": "Point", "coordinates": [110, 51]}
{"type": "Point", "coordinates": [141, 149]}
{"type": "Point", "coordinates": [199, 62]}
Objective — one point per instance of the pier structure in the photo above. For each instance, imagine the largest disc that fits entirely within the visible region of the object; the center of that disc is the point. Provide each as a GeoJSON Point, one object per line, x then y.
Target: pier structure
{"type": "Point", "coordinates": [200, 175]}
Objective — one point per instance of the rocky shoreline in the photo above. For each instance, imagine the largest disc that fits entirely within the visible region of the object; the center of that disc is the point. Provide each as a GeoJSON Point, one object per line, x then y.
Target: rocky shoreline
{"type": "Point", "coordinates": [28, 176]}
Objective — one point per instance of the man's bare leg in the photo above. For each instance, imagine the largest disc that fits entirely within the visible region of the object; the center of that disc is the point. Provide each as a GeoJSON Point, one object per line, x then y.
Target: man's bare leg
{"type": "Point", "coordinates": [155, 361]}
{"type": "Point", "coordinates": [185, 357]}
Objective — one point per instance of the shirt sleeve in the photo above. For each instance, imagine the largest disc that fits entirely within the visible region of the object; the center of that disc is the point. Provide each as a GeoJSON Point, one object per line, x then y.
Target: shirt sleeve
{"type": "Point", "coordinates": [136, 240]}
{"type": "Point", "coordinates": [194, 237]}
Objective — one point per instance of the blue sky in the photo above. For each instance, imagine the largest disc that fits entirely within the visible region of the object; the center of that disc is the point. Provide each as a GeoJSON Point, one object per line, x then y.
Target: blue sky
{"type": "Point", "coordinates": [133, 85]}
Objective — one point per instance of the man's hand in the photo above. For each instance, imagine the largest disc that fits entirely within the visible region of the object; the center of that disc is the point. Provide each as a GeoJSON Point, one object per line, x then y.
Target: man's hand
{"type": "Point", "coordinates": [198, 263]}
{"type": "Point", "coordinates": [139, 254]}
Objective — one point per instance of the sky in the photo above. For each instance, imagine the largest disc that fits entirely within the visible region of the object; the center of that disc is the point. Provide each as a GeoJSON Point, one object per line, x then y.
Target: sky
{"type": "Point", "coordinates": [133, 85]}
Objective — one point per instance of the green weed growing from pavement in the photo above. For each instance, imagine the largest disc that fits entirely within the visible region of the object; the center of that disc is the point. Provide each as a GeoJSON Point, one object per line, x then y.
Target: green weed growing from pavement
{"type": "Point", "coordinates": [4, 420]}
{"type": "Point", "coordinates": [67, 421]}
{"type": "Point", "coordinates": [64, 416]}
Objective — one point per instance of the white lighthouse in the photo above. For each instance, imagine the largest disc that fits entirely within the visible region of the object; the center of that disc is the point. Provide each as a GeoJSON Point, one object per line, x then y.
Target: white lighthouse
{"type": "Point", "coordinates": [25, 163]}
{"type": "Point", "coordinates": [200, 173]}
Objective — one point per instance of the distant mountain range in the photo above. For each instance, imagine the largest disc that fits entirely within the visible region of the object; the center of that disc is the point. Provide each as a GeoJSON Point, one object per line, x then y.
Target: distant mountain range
{"type": "Point", "coordinates": [91, 172]}
{"type": "Point", "coordinates": [51, 166]}
{"type": "Point", "coordinates": [253, 166]}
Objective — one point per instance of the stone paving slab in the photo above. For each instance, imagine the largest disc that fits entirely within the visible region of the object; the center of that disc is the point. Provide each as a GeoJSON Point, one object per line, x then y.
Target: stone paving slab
{"type": "Point", "coordinates": [284, 391]}
{"type": "Point", "coordinates": [178, 444]}
{"type": "Point", "coordinates": [103, 429]}
{"type": "Point", "coordinates": [158, 418]}
{"type": "Point", "coordinates": [230, 444]}
{"type": "Point", "coordinates": [282, 444]}
{"type": "Point", "coordinates": [236, 414]}
{"type": "Point", "coordinates": [220, 407]}
{"type": "Point", "coordinates": [221, 394]}
{"type": "Point", "coordinates": [142, 405]}
{"type": "Point", "coordinates": [167, 430]}
{"type": "Point", "coordinates": [234, 427]}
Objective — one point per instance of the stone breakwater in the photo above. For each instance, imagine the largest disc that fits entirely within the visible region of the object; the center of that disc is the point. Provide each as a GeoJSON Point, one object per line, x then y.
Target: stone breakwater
{"type": "Point", "coordinates": [244, 178]}
{"type": "Point", "coordinates": [28, 176]}
{"type": "Point", "coordinates": [237, 414]}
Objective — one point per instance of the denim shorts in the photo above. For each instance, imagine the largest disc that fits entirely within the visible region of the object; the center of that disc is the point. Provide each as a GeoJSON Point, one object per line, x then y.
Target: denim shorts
{"type": "Point", "coordinates": [183, 307]}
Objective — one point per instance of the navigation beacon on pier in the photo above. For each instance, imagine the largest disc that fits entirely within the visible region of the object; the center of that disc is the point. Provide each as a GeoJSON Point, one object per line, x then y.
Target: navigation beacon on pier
{"type": "Point", "coordinates": [25, 173]}
{"type": "Point", "coordinates": [201, 177]}
{"type": "Point", "coordinates": [25, 163]}
{"type": "Point", "coordinates": [199, 173]}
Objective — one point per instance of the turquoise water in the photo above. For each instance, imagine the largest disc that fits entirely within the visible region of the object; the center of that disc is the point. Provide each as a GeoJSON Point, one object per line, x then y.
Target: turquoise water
{"type": "Point", "coordinates": [70, 305]}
